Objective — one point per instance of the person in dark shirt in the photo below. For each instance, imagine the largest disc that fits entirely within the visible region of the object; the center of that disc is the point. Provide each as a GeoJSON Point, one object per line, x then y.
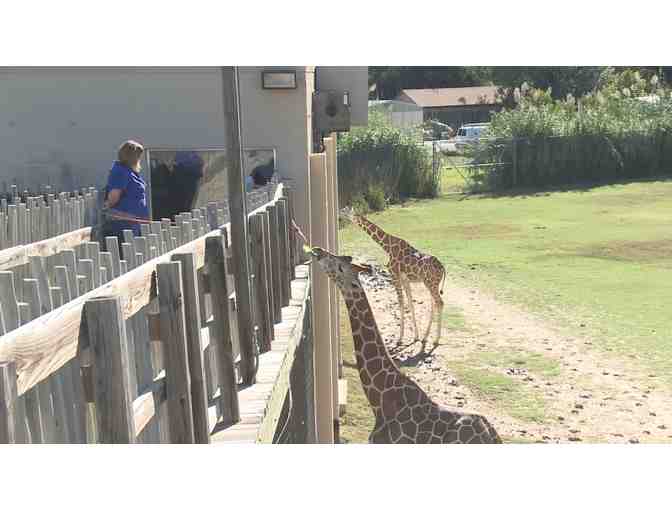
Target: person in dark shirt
{"type": "Point", "coordinates": [262, 174]}
{"type": "Point", "coordinates": [187, 174]}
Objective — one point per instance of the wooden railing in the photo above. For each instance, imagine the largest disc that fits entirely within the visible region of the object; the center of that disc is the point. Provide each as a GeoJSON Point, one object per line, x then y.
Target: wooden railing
{"type": "Point", "coordinates": [30, 218]}
{"type": "Point", "coordinates": [150, 355]}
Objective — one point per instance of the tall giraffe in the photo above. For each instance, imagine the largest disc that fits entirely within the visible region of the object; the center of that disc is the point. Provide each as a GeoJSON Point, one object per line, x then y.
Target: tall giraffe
{"type": "Point", "coordinates": [407, 265]}
{"type": "Point", "coordinates": [403, 411]}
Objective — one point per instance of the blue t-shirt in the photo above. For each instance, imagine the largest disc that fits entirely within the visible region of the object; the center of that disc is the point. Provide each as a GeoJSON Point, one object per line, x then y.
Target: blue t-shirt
{"type": "Point", "coordinates": [133, 199]}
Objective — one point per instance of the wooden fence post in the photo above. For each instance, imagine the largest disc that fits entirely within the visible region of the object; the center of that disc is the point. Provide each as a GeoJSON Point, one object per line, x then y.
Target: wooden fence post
{"type": "Point", "coordinates": [39, 273]}
{"type": "Point", "coordinates": [262, 293]}
{"type": "Point", "coordinates": [324, 378]}
{"type": "Point", "coordinates": [112, 245]}
{"type": "Point", "coordinates": [173, 334]}
{"type": "Point", "coordinates": [273, 298]}
{"type": "Point", "coordinates": [10, 308]}
{"type": "Point", "coordinates": [110, 370]}
{"type": "Point", "coordinates": [220, 332]}
{"type": "Point", "coordinates": [192, 306]}
{"type": "Point", "coordinates": [285, 264]}
{"type": "Point", "coordinates": [278, 294]}
{"type": "Point", "coordinates": [8, 397]}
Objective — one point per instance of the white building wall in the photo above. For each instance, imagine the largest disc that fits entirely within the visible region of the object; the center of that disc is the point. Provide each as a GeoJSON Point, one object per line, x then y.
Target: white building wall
{"type": "Point", "coordinates": [63, 125]}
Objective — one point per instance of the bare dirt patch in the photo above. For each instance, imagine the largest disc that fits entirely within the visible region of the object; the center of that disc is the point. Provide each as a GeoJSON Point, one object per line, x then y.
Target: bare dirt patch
{"type": "Point", "coordinates": [535, 382]}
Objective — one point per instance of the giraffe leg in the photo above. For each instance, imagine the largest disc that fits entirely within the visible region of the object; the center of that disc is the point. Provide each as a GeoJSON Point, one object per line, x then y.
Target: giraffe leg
{"type": "Point", "coordinates": [407, 286]}
{"type": "Point", "coordinates": [396, 281]}
{"type": "Point", "coordinates": [437, 310]}
{"type": "Point", "coordinates": [429, 324]}
{"type": "Point", "coordinates": [436, 296]}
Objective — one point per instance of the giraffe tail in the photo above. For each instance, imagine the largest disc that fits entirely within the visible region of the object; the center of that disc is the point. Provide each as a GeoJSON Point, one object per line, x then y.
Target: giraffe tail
{"type": "Point", "coordinates": [443, 281]}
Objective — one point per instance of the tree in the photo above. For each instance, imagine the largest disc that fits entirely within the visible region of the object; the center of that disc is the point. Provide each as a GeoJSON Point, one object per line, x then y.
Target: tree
{"type": "Point", "coordinates": [390, 81]}
{"type": "Point", "coordinates": [575, 80]}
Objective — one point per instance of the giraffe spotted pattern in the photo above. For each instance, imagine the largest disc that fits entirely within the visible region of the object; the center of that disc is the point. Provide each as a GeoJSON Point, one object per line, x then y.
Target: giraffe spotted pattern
{"type": "Point", "coordinates": [407, 265]}
{"type": "Point", "coordinates": [403, 411]}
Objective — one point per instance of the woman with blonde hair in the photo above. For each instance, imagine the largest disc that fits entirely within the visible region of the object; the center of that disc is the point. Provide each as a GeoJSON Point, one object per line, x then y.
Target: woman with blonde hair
{"type": "Point", "coordinates": [126, 192]}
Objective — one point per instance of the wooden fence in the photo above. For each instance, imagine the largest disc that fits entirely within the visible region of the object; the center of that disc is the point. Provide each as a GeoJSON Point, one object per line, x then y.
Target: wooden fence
{"type": "Point", "coordinates": [26, 218]}
{"type": "Point", "coordinates": [140, 343]}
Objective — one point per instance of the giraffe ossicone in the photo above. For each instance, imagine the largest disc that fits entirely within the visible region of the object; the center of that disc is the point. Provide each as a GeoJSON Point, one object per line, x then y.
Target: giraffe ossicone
{"type": "Point", "coordinates": [402, 410]}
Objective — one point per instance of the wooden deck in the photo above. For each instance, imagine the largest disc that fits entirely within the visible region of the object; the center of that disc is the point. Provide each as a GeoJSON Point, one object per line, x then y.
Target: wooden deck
{"type": "Point", "coordinates": [261, 404]}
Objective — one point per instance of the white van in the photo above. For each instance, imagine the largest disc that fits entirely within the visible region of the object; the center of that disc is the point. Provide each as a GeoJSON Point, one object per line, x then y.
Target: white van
{"type": "Point", "coordinates": [469, 134]}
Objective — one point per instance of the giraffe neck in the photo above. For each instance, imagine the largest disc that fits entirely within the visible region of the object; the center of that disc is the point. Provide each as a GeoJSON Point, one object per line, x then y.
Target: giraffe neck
{"type": "Point", "coordinates": [370, 351]}
{"type": "Point", "coordinates": [375, 232]}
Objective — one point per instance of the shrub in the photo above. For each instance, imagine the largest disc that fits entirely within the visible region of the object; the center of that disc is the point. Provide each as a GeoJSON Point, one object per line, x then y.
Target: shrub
{"type": "Point", "coordinates": [375, 198]}
{"type": "Point", "coordinates": [384, 164]}
{"type": "Point", "coordinates": [606, 135]}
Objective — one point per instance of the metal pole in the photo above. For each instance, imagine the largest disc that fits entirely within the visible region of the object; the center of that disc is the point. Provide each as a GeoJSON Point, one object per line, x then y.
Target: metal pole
{"type": "Point", "coordinates": [238, 215]}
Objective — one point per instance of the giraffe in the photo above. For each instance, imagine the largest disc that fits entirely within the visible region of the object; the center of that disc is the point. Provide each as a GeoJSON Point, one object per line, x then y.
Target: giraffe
{"type": "Point", "coordinates": [403, 411]}
{"type": "Point", "coordinates": [408, 265]}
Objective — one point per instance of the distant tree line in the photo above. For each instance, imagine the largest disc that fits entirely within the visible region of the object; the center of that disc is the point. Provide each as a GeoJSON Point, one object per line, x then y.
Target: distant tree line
{"type": "Point", "coordinates": [387, 82]}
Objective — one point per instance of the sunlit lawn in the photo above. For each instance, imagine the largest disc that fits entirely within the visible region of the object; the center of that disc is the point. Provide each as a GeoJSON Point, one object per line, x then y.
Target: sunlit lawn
{"type": "Point", "coordinates": [596, 260]}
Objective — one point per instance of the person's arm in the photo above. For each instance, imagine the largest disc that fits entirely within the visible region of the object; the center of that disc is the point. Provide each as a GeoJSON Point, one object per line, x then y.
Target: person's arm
{"type": "Point", "coordinates": [116, 184]}
{"type": "Point", "coordinates": [113, 197]}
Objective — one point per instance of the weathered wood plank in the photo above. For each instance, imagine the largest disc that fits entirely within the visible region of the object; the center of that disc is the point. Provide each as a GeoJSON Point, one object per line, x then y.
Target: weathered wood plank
{"type": "Point", "coordinates": [220, 330]}
{"type": "Point", "coordinates": [94, 256]}
{"type": "Point", "coordinates": [39, 272]}
{"type": "Point", "coordinates": [283, 253]}
{"type": "Point", "coordinates": [278, 295]}
{"type": "Point", "coordinates": [112, 245]}
{"type": "Point", "coordinates": [275, 309]}
{"type": "Point", "coordinates": [173, 333]}
{"type": "Point", "coordinates": [10, 308]}
{"type": "Point", "coordinates": [31, 295]}
{"type": "Point", "coordinates": [192, 312]}
{"type": "Point", "coordinates": [51, 340]}
{"type": "Point", "coordinates": [85, 275]}
{"type": "Point", "coordinates": [48, 247]}
{"type": "Point", "coordinates": [146, 406]}
{"type": "Point", "coordinates": [12, 225]}
{"type": "Point", "coordinates": [63, 281]}
{"type": "Point", "coordinates": [111, 375]}
{"type": "Point", "coordinates": [106, 264]}
{"type": "Point", "coordinates": [56, 296]}
{"type": "Point", "coordinates": [128, 251]}
{"type": "Point", "coordinates": [70, 262]}
{"type": "Point", "coordinates": [34, 416]}
{"type": "Point", "coordinates": [46, 412]}
{"type": "Point", "coordinates": [8, 398]}
{"type": "Point", "coordinates": [261, 291]}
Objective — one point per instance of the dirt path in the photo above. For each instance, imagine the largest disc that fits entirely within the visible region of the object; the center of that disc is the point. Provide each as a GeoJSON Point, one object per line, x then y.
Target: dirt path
{"type": "Point", "coordinates": [535, 383]}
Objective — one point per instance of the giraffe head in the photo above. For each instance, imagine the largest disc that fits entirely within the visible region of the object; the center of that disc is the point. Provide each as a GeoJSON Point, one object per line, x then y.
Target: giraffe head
{"type": "Point", "coordinates": [340, 269]}
{"type": "Point", "coordinates": [348, 213]}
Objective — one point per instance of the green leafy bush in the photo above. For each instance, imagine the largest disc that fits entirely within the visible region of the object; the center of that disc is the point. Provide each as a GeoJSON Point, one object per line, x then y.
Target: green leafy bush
{"type": "Point", "coordinates": [383, 164]}
{"type": "Point", "coordinates": [608, 134]}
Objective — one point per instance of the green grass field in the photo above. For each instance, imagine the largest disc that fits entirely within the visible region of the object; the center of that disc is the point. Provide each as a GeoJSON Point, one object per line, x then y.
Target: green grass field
{"type": "Point", "coordinates": [596, 260]}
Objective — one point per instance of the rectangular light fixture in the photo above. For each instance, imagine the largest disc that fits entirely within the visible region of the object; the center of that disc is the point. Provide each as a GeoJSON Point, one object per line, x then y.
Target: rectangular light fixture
{"type": "Point", "coordinates": [278, 79]}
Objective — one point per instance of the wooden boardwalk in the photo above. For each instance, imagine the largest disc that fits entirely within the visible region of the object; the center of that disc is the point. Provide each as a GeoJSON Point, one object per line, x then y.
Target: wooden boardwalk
{"type": "Point", "coordinates": [261, 404]}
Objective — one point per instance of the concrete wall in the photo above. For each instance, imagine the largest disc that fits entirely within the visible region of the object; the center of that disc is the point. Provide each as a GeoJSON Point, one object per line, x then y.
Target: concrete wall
{"type": "Point", "coordinates": [281, 119]}
{"type": "Point", "coordinates": [354, 79]}
{"type": "Point", "coordinates": [62, 125]}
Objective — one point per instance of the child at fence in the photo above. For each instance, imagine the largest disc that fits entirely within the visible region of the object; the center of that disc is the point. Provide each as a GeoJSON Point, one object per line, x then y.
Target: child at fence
{"type": "Point", "coordinates": [125, 203]}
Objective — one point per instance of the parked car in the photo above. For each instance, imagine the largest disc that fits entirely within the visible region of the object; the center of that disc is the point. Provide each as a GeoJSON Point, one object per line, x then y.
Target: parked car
{"type": "Point", "coordinates": [469, 134]}
{"type": "Point", "coordinates": [446, 146]}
